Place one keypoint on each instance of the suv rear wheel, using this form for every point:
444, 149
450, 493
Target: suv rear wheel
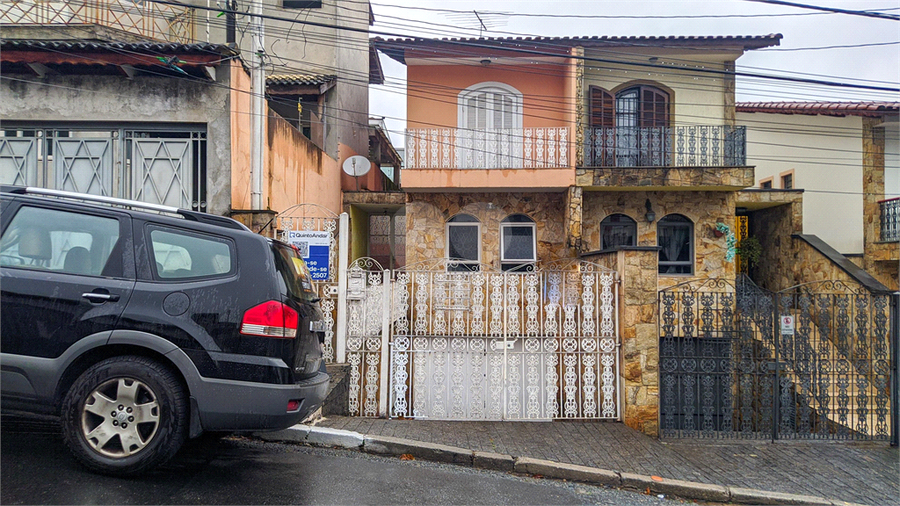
124, 415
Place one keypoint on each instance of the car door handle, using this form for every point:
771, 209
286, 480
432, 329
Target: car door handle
100, 297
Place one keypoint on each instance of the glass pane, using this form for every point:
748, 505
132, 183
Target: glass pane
463, 242
518, 243
180, 255
58, 241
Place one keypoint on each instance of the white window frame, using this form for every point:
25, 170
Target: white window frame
516, 262
448, 225
491, 87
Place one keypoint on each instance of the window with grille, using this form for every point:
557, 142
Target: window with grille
463, 243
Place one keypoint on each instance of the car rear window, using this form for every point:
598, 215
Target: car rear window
294, 271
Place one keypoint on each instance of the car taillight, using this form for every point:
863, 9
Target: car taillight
270, 319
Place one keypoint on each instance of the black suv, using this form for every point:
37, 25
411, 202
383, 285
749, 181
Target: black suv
142, 329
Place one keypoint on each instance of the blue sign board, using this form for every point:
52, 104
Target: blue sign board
314, 248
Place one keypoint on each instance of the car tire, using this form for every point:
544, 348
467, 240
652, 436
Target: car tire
124, 415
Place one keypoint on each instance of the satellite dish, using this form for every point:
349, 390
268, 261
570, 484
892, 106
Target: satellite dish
357, 166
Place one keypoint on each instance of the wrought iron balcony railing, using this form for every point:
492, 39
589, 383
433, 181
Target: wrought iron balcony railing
678, 146
149, 19
512, 148
890, 220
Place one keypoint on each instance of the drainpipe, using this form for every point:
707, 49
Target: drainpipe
258, 107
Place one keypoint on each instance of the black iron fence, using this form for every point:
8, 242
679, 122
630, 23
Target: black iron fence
811, 362
678, 146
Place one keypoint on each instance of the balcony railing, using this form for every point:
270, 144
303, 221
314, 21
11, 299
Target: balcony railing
513, 148
148, 19
890, 220
678, 146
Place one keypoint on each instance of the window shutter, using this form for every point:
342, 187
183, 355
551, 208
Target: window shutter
601, 108
654, 107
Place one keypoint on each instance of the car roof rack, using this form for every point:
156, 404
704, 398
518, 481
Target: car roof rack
188, 214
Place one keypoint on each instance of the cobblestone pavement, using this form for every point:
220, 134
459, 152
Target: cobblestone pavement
860, 472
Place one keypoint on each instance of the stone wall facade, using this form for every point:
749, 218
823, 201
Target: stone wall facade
704, 208
881, 259
427, 215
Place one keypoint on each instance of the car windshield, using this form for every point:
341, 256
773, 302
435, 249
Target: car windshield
294, 271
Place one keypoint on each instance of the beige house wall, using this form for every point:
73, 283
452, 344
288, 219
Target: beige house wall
825, 154
697, 99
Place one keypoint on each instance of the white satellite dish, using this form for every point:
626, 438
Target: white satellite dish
357, 166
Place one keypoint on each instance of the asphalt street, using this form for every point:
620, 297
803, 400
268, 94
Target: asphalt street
37, 469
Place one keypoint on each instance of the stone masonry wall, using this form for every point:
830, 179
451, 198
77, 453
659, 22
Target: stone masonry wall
881, 258
638, 321
703, 208
427, 215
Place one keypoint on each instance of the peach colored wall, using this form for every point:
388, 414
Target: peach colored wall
486, 180
297, 171
240, 138
433, 90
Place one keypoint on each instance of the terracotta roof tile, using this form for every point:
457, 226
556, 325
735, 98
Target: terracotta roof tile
821, 108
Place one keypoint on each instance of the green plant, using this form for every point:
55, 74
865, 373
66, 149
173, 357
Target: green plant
750, 250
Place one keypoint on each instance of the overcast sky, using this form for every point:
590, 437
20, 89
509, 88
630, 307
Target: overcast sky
877, 65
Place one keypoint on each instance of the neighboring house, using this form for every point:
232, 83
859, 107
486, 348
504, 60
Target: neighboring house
155, 105
623, 151
845, 156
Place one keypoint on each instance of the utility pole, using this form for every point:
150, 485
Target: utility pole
257, 106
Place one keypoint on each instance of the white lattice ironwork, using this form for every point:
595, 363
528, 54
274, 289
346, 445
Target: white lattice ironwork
315, 218
506, 148
491, 345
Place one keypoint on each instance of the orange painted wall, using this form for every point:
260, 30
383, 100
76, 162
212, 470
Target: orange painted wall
297, 171
240, 138
432, 92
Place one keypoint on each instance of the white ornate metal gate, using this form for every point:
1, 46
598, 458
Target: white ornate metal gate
484, 344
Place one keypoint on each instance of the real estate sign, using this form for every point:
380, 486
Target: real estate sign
314, 248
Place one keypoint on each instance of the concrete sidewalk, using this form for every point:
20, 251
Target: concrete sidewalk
738, 471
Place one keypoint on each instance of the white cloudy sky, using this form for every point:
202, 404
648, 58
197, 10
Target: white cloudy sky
875, 65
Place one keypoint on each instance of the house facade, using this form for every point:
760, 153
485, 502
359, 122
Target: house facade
620, 153
844, 155
155, 105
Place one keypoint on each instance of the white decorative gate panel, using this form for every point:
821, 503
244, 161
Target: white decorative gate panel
491, 345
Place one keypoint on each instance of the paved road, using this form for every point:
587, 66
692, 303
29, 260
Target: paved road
36, 469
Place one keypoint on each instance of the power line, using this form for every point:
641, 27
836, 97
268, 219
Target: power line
480, 45
870, 14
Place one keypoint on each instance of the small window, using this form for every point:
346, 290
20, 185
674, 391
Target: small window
675, 237
518, 248
62, 241
180, 255
766, 184
617, 230
787, 181
463, 243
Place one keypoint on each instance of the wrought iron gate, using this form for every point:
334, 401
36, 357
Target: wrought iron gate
483, 344
729, 367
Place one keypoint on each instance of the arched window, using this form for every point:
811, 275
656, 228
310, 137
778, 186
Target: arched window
628, 128
490, 106
518, 247
617, 230
675, 237
463, 243
490, 122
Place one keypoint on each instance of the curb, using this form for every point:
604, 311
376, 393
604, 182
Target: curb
385, 445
